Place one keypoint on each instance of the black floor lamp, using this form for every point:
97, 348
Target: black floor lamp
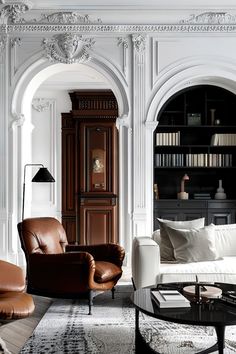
43, 175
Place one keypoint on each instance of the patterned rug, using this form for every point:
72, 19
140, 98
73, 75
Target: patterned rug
67, 328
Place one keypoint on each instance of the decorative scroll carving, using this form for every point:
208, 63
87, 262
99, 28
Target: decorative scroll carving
139, 42
3, 41
14, 9
124, 43
41, 104
211, 18
15, 41
67, 17
67, 48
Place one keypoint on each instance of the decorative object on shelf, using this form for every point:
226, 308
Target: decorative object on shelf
43, 175
213, 111
156, 191
182, 194
194, 118
220, 193
217, 122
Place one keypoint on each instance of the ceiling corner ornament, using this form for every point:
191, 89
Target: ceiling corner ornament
211, 18
14, 9
139, 42
68, 18
68, 48
41, 104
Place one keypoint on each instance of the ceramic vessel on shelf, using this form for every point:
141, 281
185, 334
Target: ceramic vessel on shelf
220, 193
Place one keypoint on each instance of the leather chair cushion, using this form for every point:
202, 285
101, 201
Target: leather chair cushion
15, 305
11, 277
106, 271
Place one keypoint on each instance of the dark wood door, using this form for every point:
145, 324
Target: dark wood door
90, 168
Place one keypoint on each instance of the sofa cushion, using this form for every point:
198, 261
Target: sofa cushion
225, 239
193, 245
222, 270
166, 248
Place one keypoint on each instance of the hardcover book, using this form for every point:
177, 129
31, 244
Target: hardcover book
170, 298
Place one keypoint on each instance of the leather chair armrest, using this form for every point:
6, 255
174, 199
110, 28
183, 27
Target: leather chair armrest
107, 252
62, 273
145, 262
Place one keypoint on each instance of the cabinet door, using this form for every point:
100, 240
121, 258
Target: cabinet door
221, 217
98, 221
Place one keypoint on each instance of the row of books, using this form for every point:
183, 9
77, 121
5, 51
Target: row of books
172, 138
223, 139
193, 160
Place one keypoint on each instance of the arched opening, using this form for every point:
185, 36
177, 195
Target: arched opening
194, 153
33, 94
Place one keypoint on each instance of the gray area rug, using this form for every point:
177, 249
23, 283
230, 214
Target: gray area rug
66, 328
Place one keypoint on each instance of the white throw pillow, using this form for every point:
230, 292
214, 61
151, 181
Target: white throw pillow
166, 248
225, 239
194, 245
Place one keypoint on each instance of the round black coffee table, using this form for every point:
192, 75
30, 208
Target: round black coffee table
217, 314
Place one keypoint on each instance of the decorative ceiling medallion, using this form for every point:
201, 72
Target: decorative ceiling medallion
67, 17
67, 48
14, 9
139, 41
211, 18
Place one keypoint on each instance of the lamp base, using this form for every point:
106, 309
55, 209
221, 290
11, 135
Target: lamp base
182, 195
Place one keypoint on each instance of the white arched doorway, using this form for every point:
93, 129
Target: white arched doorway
181, 75
28, 85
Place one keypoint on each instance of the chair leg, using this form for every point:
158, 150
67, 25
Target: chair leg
90, 301
113, 292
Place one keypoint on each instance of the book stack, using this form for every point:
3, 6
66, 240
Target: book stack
201, 196
168, 138
170, 299
223, 139
229, 297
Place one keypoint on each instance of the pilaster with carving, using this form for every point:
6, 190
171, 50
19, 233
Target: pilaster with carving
123, 43
14, 44
139, 101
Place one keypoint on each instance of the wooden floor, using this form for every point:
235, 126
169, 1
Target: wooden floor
16, 333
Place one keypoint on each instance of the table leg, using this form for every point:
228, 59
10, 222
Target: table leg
220, 332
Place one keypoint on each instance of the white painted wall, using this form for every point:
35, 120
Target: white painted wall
143, 63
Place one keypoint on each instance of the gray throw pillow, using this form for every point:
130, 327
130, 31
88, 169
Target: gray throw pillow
194, 245
166, 248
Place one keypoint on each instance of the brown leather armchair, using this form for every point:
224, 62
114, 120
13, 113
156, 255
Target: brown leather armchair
56, 269
14, 302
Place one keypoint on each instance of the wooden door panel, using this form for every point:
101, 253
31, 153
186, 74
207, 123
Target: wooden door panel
98, 224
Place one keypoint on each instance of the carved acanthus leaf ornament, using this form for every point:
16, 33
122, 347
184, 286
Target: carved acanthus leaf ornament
68, 48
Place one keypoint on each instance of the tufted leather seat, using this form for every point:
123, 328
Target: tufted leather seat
14, 302
57, 269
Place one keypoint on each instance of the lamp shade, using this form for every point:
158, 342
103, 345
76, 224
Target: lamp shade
43, 175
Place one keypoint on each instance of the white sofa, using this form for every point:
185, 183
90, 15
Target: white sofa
148, 270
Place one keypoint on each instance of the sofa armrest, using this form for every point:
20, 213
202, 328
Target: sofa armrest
145, 262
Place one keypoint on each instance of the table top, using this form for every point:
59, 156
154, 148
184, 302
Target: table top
215, 313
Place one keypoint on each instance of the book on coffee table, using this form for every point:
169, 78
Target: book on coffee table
170, 298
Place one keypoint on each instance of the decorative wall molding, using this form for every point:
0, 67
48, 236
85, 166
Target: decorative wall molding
102, 28
123, 42
139, 42
66, 18
3, 41
41, 104
217, 18
67, 48
14, 9
15, 41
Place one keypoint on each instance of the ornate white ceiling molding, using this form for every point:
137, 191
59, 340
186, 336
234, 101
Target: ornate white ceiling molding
67, 48
215, 18
66, 18
128, 29
14, 9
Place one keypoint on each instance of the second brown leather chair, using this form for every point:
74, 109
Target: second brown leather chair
57, 269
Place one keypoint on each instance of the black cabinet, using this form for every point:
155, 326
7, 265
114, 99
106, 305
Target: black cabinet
216, 212
196, 136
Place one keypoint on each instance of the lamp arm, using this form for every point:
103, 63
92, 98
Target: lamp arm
23, 192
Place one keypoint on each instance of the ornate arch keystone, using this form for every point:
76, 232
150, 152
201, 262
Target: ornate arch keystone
67, 48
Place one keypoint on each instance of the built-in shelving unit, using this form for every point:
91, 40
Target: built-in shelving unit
196, 135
